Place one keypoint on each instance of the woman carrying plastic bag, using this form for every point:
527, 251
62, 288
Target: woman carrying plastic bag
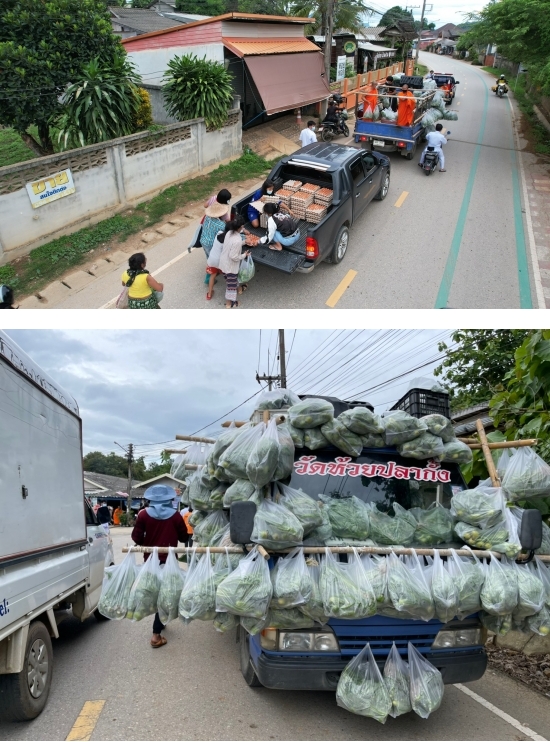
247, 590
117, 586
426, 684
171, 585
144, 596
397, 680
361, 688
198, 597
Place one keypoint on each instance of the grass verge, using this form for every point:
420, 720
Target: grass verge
420, 69
48, 262
13, 149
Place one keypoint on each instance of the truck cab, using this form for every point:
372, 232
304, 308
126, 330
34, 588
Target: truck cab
314, 659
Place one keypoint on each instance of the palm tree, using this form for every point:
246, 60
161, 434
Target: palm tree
349, 14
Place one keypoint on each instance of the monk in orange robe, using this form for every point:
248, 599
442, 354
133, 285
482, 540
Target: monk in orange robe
371, 97
407, 104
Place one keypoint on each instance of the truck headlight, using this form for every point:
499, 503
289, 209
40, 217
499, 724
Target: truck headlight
452, 639
299, 641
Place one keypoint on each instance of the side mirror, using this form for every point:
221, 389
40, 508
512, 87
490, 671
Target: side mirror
530, 534
241, 522
457, 82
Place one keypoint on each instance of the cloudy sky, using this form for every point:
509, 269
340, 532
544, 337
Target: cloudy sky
146, 386
443, 11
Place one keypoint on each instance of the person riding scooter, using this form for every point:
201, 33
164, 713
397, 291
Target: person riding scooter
502, 81
436, 140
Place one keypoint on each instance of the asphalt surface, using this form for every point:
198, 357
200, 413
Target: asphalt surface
192, 689
457, 239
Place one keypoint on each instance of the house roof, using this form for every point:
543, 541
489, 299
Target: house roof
371, 33
403, 29
148, 482
449, 29
367, 46
109, 485
231, 17
142, 20
464, 421
248, 47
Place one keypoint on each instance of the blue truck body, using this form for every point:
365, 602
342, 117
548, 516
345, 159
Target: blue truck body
403, 139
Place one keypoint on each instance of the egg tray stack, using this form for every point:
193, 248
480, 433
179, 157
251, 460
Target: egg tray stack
270, 199
323, 196
284, 195
263, 221
292, 185
299, 203
315, 212
310, 188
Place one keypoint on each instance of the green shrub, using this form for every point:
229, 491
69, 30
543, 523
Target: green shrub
143, 117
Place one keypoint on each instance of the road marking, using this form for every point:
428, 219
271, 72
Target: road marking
502, 714
401, 199
87, 719
462, 96
111, 303
459, 102
539, 291
342, 287
446, 282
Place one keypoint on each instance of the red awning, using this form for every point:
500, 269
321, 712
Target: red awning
288, 81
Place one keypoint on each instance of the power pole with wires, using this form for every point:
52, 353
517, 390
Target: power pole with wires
129, 519
281, 376
421, 25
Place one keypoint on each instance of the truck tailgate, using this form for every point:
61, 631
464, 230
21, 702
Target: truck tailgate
286, 260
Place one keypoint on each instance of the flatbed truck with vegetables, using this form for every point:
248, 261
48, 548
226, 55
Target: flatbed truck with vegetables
356, 178
53, 551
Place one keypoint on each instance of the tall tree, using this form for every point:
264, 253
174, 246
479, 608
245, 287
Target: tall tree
349, 14
43, 47
478, 364
114, 465
397, 13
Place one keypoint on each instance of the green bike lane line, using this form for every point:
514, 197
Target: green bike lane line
442, 299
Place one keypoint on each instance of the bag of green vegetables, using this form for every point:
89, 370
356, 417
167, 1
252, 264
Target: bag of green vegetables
468, 576
349, 517
444, 590
314, 439
313, 608
239, 491
434, 525
386, 530
235, 458
531, 591
198, 597
276, 527
401, 427
285, 463
247, 590
527, 476
425, 446
458, 452
499, 594
362, 421
171, 585
341, 437
264, 456
116, 589
397, 680
426, 684
303, 506
439, 425
291, 581
345, 588
482, 506
145, 591
361, 688
311, 413
408, 588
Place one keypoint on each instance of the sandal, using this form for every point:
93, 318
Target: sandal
160, 643
243, 287
277, 249
442, 171
234, 305
209, 296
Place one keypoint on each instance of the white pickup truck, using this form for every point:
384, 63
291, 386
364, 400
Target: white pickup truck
53, 551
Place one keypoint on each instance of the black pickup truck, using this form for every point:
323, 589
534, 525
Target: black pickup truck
356, 178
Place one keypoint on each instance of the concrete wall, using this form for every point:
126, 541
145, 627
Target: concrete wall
108, 178
160, 115
152, 63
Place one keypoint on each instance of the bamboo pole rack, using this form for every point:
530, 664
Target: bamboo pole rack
474, 444
194, 439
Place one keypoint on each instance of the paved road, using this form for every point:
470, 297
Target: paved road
192, 689
457, 240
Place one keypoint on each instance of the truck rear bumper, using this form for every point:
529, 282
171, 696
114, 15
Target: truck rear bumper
294, 673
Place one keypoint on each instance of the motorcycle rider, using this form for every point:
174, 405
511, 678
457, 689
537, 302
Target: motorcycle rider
501, 81
436, 140
333, 111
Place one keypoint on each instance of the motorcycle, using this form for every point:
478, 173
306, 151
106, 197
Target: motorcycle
501, 90
331, 129
431, 159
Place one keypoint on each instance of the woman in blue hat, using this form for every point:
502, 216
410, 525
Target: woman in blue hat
159, 524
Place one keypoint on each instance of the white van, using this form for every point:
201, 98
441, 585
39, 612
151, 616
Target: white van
53, 552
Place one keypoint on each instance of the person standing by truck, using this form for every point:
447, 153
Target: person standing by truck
104, 516
159, 524
407, 104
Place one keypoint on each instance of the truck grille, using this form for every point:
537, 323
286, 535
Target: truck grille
381, 632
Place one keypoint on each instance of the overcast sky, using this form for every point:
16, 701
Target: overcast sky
443, 11
146, 386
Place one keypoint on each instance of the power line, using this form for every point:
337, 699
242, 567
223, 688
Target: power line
309, 358
298, 377
291, 346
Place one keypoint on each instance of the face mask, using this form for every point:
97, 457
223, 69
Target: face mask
269, 191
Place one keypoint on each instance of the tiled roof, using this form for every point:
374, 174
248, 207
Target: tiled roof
142, 20
369, 34
112, 484
248, 47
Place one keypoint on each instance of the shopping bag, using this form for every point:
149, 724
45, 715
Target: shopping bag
361, 688
426, 684
122, 299
117, 585
246, 270
397, 680
145, 591
171, 585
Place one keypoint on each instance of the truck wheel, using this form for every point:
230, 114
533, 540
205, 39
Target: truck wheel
340, 247
24, 695
250, 677
384, 188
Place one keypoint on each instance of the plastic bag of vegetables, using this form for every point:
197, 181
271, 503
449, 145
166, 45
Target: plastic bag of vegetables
171, 585
314, 439
531, 591
225, 440
434, 525
444, 590
117, 585
275, 527
264, 456
375, 568
288, 618
276, 399
336, 433
313, 608
397, 680
540, 622
303, 506
285, 463
247, 590
345, 589
349, 517
468, 576
291, 581
202, 498
197, 516
198, 597
221, 567
319, 536
502, 537
482, 506
361, 688
207, 530
544, 574
401, 427
527, 476
439, 425
388, 531
311, 413
499, 594
503, 461
296, 434
362, 421
145, 591
240, 490
373, 441
497, 624
254, 625
458, 452
426, 684
235, 458
408, 589
425, 446
225, 622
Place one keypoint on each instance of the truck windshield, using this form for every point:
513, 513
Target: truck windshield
380, 477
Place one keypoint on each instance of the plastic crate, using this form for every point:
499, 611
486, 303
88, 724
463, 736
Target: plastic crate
420, 402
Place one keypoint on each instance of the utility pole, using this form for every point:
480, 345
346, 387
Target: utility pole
269, 379
129, 519
282, 358
420, 32
329, 29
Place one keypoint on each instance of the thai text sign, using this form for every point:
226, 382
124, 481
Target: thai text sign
340, 68
51, 188
343, 466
